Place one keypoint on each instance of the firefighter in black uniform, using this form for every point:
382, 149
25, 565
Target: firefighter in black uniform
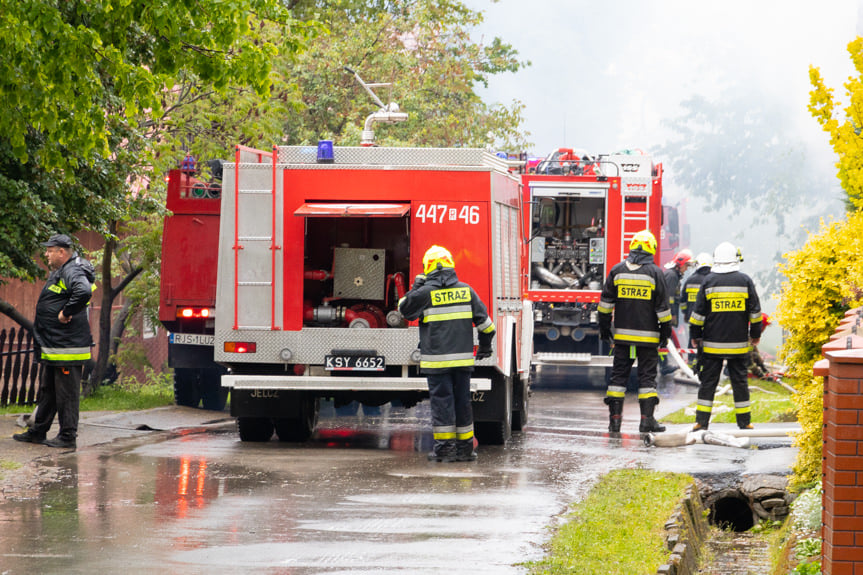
448, 309
725, 323
703, 262
62, 332
634, 297
673, 273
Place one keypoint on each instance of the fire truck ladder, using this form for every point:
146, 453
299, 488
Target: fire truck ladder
247, 287
636, 217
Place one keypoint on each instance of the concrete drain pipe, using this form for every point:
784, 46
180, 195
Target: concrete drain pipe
730, 510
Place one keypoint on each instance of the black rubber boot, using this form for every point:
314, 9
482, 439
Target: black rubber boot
464, 450
444, 450
648, 423
615, 414
29, 437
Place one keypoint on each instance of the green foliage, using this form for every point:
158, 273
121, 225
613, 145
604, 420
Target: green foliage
59, 58
809, 547
422, 47
766, 525
844, 135
823, 281
128, 393
813, 568
618, 527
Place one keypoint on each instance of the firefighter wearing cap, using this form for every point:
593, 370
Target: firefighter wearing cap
635, 303
725, 323
62, 331
448, 310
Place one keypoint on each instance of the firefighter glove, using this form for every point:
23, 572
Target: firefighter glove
664, 333
483, 351
605, 327
419, 281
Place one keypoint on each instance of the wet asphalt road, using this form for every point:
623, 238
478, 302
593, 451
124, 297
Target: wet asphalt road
359, 498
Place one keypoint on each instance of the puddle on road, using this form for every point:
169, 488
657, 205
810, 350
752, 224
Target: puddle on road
360, 497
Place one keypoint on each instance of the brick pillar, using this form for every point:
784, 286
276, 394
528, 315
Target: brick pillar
842, 452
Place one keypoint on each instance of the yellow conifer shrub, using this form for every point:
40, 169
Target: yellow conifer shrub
823, 281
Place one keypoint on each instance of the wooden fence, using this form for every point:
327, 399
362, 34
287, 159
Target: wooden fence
19, 371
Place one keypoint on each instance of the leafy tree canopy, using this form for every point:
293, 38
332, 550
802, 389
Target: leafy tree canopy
59, 58
424, 49
92, 88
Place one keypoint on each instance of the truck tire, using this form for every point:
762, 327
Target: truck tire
255, 428
299, 429
186, 390
493, 417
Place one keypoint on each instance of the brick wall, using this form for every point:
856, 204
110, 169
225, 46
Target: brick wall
842, 452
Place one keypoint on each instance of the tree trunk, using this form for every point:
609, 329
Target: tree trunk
110, 328
103, 350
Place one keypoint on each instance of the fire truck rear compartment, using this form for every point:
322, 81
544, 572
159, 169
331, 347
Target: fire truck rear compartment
356, 269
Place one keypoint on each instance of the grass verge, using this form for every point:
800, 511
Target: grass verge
125, 395
773, 405
619, 527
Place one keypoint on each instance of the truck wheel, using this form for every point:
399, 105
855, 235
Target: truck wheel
213, 395
493, 426
186, 391
300, 428
255, 428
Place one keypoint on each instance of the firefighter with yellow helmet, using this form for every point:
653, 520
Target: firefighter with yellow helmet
725, 324
448, 310
634, 314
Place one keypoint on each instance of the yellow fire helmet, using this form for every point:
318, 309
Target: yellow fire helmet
644, 240
437, 255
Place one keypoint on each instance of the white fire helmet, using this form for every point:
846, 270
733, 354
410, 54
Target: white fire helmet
725, 258
703, 260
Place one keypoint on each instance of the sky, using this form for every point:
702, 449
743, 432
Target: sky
606, 76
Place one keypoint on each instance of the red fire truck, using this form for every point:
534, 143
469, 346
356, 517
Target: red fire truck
190, 242
315, 246
580, 214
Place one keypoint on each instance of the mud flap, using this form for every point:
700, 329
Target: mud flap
492, 410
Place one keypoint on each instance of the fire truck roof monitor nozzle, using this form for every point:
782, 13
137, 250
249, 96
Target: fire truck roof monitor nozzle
387, 114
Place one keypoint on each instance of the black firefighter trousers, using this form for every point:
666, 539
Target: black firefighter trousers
710, 368
451, 411
59, 394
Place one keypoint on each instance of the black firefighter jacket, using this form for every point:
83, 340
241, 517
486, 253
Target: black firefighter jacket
68, 288
726, 314
447, 309
690, 291
634, 293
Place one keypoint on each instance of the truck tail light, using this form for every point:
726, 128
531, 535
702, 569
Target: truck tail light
240, 347
196, 312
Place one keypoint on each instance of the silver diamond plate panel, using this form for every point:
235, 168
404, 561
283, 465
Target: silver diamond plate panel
311, 344
416, 158
359, 273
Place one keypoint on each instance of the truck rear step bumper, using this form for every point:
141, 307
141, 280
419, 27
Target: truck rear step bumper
572, 359
327, 383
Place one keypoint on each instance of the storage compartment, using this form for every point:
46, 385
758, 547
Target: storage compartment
567, 250
355, 270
